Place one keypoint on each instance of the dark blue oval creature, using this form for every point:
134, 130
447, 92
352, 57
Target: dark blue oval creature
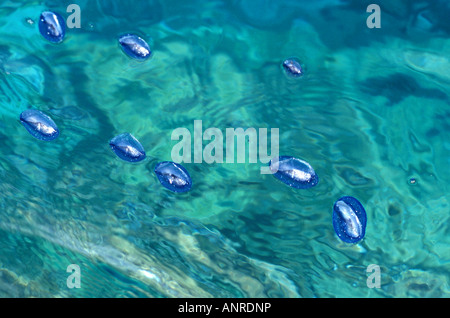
294, 172
293, 68
349, 219
127, 148
39, 125
135, 47
52, 26
173, 176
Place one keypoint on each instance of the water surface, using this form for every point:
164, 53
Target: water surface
371, 112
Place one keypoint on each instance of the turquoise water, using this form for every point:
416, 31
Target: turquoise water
371, 112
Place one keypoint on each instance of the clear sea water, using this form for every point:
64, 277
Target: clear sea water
371, 112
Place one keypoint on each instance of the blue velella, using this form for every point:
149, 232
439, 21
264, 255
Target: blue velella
349, 219
127, 148
52, 26
293, 68
173, 176
135, 47
39, 125
294, 172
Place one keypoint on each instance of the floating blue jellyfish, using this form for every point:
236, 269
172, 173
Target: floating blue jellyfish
293, 68
127, 148
135, 47
39, 125
52, 26
294, 172
349, 219
173, 176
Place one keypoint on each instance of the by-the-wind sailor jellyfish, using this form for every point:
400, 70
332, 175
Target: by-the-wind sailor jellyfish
135, 47
52, 26
127, 148
293, 68
349, 219
294, 172
173, 176
39, 125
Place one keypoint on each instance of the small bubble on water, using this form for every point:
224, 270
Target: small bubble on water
39, 125
293, 67
173, 176
127, 148
294, 172
52, 26
349, 219
135, 47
